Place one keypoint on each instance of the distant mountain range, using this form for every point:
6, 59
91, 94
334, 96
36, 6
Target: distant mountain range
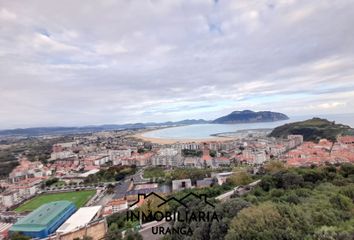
248, 116
245, 116
94, 128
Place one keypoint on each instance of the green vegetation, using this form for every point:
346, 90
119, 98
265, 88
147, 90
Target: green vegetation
61, 184
315, 203
51, 181
215, 230
143, 150
39, 150
117, 223
274, 167
210, 192
8, 160
115, 173
163, 175
34, 149
313, 129
154, 172
240, 178
212, 153
79, 198
192, 173
298, 203
191, 153
247, 116
301, 203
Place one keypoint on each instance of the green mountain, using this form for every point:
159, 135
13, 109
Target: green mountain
313, 129
247, 116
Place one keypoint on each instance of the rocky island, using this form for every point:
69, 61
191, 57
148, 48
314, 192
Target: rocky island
248, 116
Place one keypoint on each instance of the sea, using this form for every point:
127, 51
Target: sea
205, 131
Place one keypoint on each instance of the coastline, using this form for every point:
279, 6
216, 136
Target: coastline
185, 140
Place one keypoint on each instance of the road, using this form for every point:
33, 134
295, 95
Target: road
138, 177
123, 186
121, 189
239, 190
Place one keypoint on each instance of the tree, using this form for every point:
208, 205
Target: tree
218, 230
227, 210
50, 182
347, 169
87, 238
341, 202
274, 167
240, 178
257, 222
212, 153
348, 191
151, 205
132, 235
110, 189
114, 235
288, 180
313, 176
270, 221
267, 183
141, 150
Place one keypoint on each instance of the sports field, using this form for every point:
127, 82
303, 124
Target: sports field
78, 198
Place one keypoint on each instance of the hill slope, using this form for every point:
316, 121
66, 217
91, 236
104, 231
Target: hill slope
248, 116
313, 129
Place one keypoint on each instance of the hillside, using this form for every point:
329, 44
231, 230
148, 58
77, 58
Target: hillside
313, 129
248, 116
289, 203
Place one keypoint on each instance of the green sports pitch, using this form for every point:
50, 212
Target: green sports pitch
79, 198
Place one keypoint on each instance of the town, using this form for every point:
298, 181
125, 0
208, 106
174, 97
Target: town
103, 173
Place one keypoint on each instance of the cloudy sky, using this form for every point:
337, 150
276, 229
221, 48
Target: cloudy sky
72, 62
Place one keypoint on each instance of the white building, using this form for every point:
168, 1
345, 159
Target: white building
61, 155
86, 174
10, 198
167, 157
80, 218
114, 206
116, 155
222, 177
66, 144
294, 141
190, 146
178, 185
259, 157
254, 156
28, 191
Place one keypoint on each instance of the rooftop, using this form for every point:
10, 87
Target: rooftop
82, 217
4, 226
86, 174
41, 217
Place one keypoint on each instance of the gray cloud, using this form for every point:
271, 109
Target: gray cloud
77, 62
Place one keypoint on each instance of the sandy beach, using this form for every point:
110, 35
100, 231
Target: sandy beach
171, 141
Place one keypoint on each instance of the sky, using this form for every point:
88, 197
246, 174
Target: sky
78, 62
